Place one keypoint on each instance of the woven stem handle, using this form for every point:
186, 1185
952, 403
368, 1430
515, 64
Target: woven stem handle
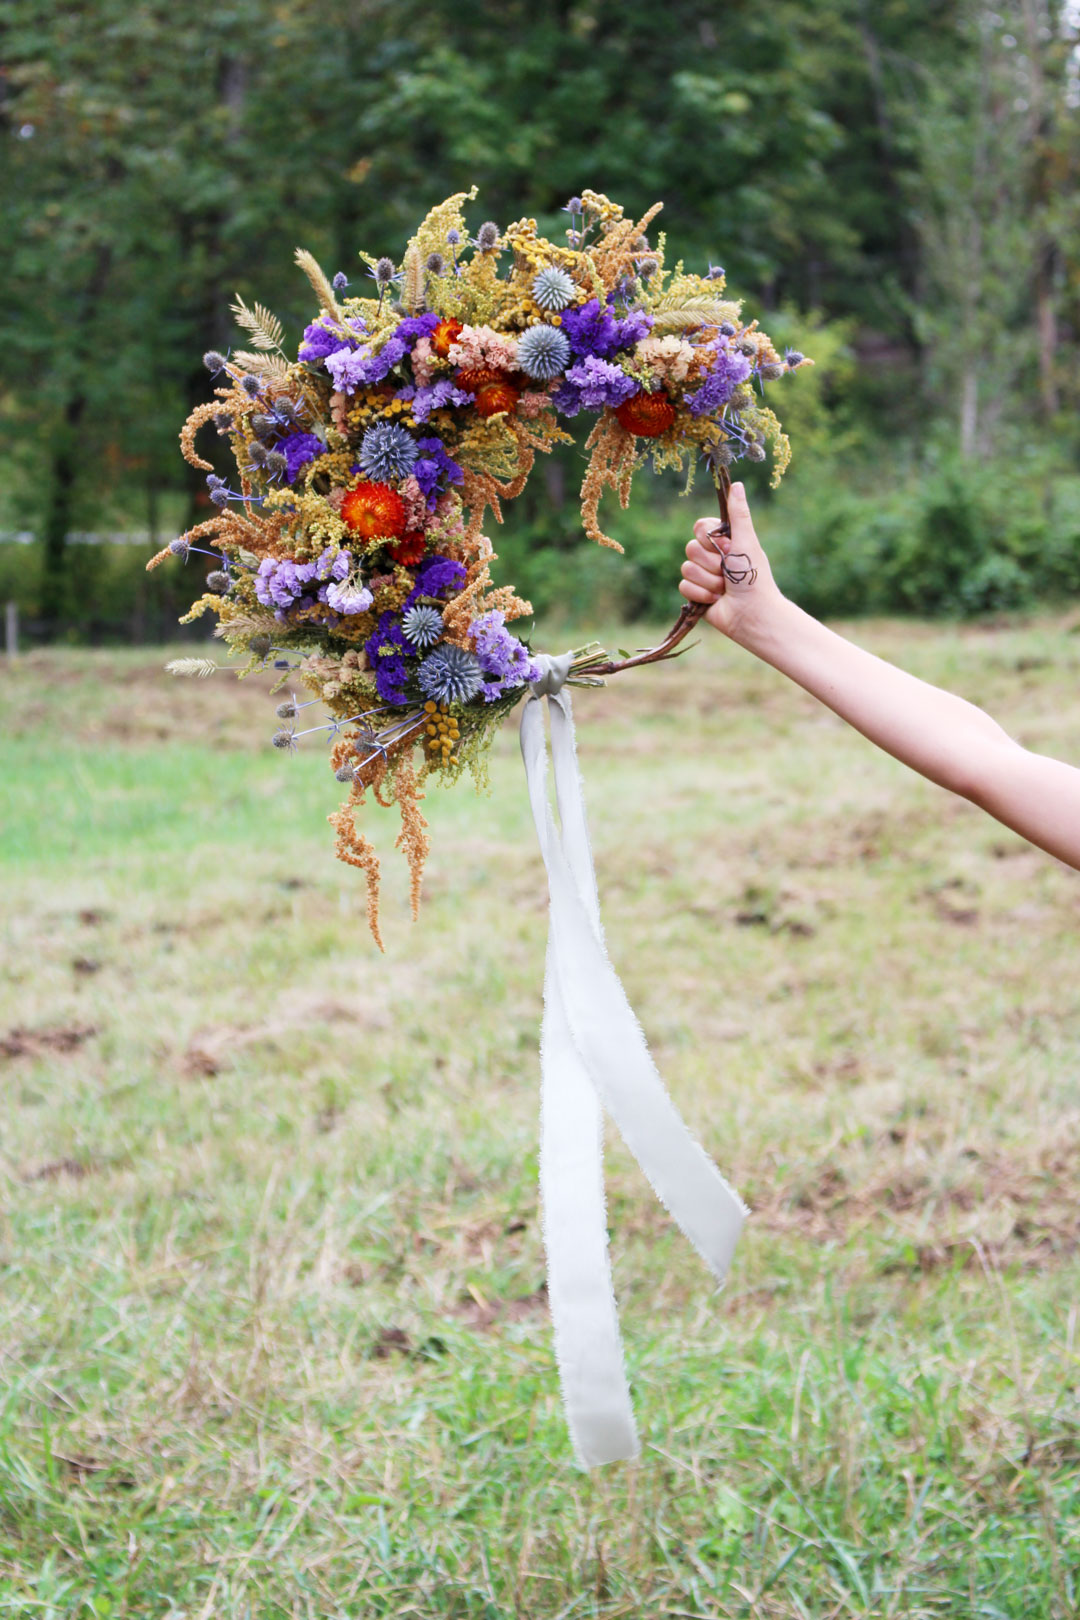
689, 616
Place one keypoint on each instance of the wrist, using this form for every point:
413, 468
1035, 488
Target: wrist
767, 625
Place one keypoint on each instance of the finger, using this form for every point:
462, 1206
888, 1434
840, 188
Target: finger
705, 557
698, 593
703, 577
707, 531
743, 537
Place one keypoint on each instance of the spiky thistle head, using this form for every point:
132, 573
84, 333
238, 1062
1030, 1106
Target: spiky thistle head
384, 272
251, 385
543, 352
181, 547
553, 289
435, 264
423, 626
340, 281
218, 581
284, 737
388, 453
260, 646
345, 773
450, 674
487, 237
214, 361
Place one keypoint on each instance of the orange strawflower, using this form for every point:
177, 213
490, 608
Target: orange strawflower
444, 334
409, 549
494, 397
646, 415
374, 512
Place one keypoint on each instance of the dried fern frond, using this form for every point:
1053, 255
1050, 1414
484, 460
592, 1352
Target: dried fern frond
690, 312
321, 284
271, 367
265, 328
200, 668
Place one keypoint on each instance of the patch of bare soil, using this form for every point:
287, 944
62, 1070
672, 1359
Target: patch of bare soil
1002, 1207
32, 1043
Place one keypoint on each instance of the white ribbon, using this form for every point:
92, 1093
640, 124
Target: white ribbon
593, 1053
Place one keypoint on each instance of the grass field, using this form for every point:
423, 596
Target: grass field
272, 1334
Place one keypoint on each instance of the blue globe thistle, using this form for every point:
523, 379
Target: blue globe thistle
251, 385
423, 626
214, 361
450, 674
543, 351
388, 453
553, 289
340, 281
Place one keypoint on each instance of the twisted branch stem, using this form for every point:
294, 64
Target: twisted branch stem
687, 619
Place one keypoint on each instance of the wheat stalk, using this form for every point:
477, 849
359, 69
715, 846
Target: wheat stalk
318, 278
271, 366
265, 328
198, 667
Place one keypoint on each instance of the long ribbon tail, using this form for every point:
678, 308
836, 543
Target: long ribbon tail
593, 1042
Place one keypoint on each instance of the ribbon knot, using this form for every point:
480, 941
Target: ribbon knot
593, 1056
554, 671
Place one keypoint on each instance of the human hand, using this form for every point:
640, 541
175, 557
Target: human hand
730, 572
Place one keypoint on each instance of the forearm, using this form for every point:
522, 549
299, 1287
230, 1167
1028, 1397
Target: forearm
942, 736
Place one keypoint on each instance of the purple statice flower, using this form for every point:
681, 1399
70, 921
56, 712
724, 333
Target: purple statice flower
437, 576
595, 330
347, 598
413, 327
298, 449
726, 373
435, 471
283, 584
592, 384
353, 369
321, 340
436, 396
503, 658
386, 648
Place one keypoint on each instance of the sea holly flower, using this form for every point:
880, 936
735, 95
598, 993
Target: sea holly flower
388, 453
543, 352
553, 289
450, 674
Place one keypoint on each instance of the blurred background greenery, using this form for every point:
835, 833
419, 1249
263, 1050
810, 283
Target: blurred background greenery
891, 187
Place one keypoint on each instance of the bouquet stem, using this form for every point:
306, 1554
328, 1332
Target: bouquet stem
687, 619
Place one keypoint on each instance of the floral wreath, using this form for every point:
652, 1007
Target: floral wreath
348, 548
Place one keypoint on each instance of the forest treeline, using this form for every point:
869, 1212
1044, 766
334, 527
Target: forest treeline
890, 185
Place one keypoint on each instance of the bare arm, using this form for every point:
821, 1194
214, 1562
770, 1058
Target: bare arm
945, 738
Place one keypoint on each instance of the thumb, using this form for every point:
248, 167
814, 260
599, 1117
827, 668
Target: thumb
742, 524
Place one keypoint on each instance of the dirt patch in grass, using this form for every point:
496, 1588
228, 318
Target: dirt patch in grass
33, 1043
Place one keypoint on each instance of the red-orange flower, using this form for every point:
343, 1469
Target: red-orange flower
409, 549
646, 415
374, 511
494, 397
479, 377
445, 333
